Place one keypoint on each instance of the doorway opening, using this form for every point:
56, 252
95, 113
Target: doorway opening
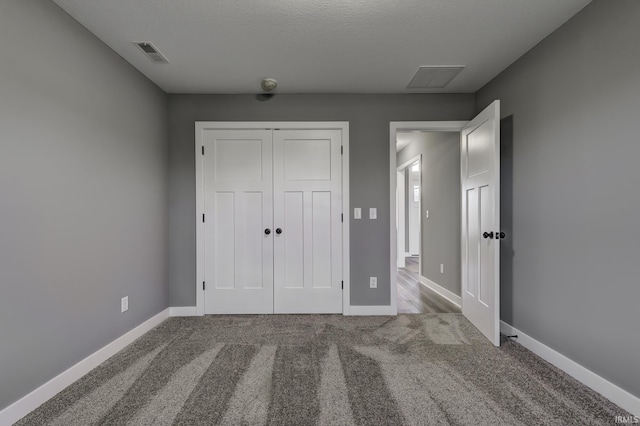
428, 229
479, 215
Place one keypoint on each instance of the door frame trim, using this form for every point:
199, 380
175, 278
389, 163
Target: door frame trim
200, 126
401, 238
394, 128
401, 252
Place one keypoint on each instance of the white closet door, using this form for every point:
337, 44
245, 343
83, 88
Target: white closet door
307, 211
238, 210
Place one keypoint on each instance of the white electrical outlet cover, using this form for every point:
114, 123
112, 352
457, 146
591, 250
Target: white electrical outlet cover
373, 213
357, 213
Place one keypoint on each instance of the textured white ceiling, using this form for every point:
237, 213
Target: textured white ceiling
320, 46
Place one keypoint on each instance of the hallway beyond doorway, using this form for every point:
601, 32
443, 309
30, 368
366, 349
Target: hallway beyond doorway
416, 298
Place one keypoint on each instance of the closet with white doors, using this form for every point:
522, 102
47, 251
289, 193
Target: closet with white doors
269, 225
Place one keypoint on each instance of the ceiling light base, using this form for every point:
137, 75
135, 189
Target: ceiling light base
269, 84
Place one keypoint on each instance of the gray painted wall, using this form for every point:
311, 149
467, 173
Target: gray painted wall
83, 158
573, 104
369, 117
440, 234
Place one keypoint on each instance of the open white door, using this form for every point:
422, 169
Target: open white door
480, 175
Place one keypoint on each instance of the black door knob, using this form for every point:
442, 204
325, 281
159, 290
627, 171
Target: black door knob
267, 231
488, 235
278, 231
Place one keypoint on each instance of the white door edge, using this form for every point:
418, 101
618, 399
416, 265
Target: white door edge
200, 126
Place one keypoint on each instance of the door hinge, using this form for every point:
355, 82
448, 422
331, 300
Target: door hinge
202, 149
202, 217
341, 150
343, 285
204, 286
341, 217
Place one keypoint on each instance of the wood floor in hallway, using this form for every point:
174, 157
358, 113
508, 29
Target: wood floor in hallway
416, 298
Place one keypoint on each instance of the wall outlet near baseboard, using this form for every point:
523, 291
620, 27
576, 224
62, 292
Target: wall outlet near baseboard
373, 282
124, 304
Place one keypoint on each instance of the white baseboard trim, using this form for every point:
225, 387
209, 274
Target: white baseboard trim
614, 393
449, 295
33, 400
371, 310
183, 311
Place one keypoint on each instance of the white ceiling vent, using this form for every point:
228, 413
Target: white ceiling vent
434, 77
152, 52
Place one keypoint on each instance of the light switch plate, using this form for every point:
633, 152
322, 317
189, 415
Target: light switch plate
373, 213
427, 214
357, 213
373, 282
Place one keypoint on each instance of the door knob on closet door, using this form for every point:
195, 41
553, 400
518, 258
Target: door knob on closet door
488, 235
267, 231
278, 231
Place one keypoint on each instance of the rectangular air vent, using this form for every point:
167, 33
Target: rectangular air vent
434, 77
151, 52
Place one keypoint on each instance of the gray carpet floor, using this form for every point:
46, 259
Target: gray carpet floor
428, 369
